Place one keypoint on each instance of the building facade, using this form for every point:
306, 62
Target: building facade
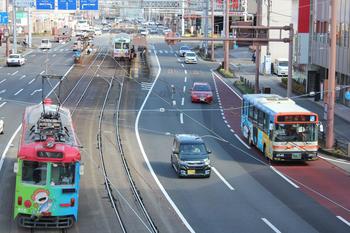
319, 47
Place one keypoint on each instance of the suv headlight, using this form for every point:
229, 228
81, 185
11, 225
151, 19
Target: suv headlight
207, 162
182, 163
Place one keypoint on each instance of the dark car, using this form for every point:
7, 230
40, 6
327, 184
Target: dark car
190, 156
201, 92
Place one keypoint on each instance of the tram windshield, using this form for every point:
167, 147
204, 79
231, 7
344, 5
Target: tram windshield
62, 173
34, 172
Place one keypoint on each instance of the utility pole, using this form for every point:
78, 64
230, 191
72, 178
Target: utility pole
29, 18
331, 77
183, 18
14, 47
268, 24
212, 30
290, 61
258, 47
7, 27
227, 35
206, 25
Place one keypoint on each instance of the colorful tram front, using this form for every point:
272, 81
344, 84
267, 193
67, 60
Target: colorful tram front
48, 169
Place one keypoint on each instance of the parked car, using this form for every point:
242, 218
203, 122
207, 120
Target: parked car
190, 156
280, 66
45, 44
167, 30
144, 32
201, 92
190, 57
98, 32
15, 60
183, 50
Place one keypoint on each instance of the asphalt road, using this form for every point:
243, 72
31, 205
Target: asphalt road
243, 194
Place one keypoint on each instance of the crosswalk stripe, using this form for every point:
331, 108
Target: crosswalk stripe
160, 51
165, 51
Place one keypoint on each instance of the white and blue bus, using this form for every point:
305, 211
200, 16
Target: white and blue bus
122, 47
279, 127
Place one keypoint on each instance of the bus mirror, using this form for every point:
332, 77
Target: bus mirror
81, 169
320, 127
15, 167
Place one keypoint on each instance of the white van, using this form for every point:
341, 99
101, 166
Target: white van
45, 44
280, 66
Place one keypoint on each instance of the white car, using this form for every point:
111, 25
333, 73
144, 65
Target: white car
15, 60
190, 57
183, 50
45, 44
1, 127
144, 32
98, 32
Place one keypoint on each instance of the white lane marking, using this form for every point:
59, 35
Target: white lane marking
27, 53
183, 101
270, 225
161, 187
284, 177
335, 160
223, 117
248, 147
185, 79
19, 91
222, 178
165, 51
182, 65
33, 55
1, 67
35, 91
3, 80
160, 51
343, 220
42, 72
54, 55
2, 104
3, 91
31, 81
185, 71
14, 73
222, 113
22, 77
181, 118
175, 54
232, 130
229, 126
174, 102
222, 110
179, 60
226, 122
184, 89
226, 84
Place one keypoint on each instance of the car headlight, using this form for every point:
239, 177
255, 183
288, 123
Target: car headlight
207, 162
182, 163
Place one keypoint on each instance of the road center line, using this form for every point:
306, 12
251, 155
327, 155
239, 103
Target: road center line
185, 79
18, 91
222, 178
42, 72
284, 177
343, 220
245, 144
2, 104
182, 65
182, 101
181, 118
184, 89
3, 80
185, 71
270, 225
31, 81
23, 76
14, 73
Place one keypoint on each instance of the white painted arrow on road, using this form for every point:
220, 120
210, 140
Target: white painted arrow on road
35, 91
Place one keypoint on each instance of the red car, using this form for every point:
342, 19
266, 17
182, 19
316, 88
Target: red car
201, 92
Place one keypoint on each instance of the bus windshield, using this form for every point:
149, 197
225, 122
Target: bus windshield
34, 172
117, 45
295, 132
62, 173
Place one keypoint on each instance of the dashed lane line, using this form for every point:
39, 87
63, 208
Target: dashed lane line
19, 91
184, 89
181, 118
182, 101
42, 72
31, 81
3, 80
343, 220
182, 65
248, 147
22, 77
267, 222
222, 178
2, 104
14, 73
284, 177
185, 79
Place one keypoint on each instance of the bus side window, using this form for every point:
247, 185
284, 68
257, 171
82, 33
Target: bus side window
251, 111
255, 116
261, 115
266, 123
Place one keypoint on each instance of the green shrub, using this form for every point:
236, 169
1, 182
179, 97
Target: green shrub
297, 88
226, 74
243, 88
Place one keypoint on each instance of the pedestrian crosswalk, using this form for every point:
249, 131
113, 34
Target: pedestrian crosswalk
146, 86
161, 51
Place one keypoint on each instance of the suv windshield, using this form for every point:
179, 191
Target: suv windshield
283, 63
14, 56
190, 54
193, 151
184, 48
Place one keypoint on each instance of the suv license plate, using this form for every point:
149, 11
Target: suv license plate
296, 156
191, 172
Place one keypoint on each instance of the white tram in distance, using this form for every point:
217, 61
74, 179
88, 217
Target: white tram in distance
123, 47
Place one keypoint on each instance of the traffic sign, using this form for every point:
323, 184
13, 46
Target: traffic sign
45, 4
4, 18
88, 4
67, 4
24, 3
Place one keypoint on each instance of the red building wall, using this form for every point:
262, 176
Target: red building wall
304, 16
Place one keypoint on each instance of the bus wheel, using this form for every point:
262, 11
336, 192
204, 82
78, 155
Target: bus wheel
265, 154
250, 140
